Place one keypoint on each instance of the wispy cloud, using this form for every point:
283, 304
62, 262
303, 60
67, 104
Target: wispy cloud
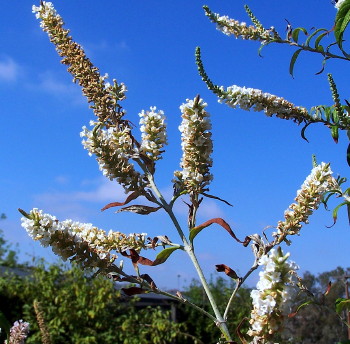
104, 45
9, 70
76, 204
49, 83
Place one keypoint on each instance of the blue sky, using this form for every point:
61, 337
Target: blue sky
259, 162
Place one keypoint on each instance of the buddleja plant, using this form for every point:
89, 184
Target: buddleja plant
131, 163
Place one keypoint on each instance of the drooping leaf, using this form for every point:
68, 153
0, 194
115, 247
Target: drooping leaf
319, 38
239, 333
164, 255
221, 222
130, 198
307, 42
335, 212
341, 304
139, 209
302, 133
309, 302
217, 198
149, 280
348, 155
323, 65
228, 271
136, 258
295, 33
335, 133
293, 60
265, 44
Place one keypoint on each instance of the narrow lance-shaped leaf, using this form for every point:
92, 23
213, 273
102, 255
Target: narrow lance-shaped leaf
217, 198
266, 44
139, 209
335, 133
239, 333
293, 60
302, 133
295, 33
164, 255
130, 198
319, 38
309, 302
335, 211
221, 222
307, 42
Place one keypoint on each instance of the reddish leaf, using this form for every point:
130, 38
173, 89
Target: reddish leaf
228, 271
328, 288
246, 241
137, 259
133, 291
239, 333
195, 230
130, 198
149, 280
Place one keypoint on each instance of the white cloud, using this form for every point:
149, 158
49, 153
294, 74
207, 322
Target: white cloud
104, 45
73, 204
49, 82
9, 70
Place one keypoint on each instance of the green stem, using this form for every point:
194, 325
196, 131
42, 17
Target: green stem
238, 285
220, 322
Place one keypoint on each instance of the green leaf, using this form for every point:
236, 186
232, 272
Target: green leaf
293, 60
295, 33
309, 302
341, 304
307, 42
302, 133
265, 44
341, 21
335, 133
319, 38
348, 155
164, 255
336, 209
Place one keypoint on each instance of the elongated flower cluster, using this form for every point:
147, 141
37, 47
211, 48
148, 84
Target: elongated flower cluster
103, 96
82, 242
272, 298
18, 332
113, 149
153, 129
307, 200
197, 147
250, 98
232, 27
